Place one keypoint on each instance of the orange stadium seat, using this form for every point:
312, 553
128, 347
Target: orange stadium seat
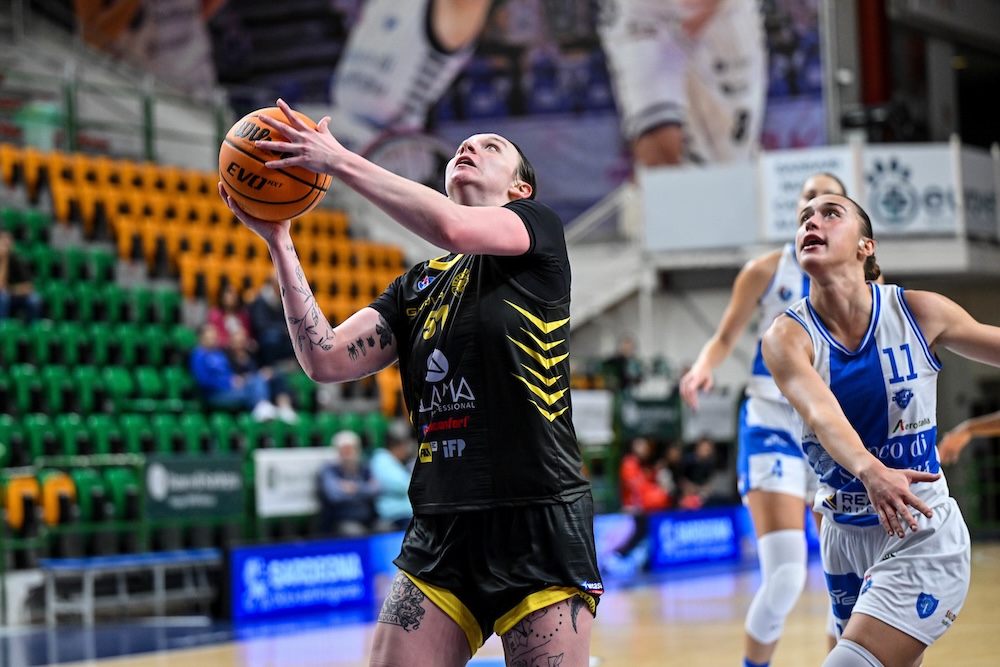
11, 164
56, 484
16, 496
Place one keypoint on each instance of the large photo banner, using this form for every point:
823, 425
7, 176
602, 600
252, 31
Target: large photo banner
589, 90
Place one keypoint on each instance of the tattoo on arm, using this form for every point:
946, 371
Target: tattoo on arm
311, 329
403, 605
384, 333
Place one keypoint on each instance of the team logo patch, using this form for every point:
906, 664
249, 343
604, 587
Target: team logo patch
866, 585
902, 397
926, 604
424, 282
784, 293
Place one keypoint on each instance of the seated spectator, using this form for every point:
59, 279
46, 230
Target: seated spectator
229, 315
244, 364
17, 293
268, 326
698, 472
221, 386
643, 492
347, 491
391, 467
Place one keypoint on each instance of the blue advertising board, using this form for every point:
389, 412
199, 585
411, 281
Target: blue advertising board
272, 581
680, 538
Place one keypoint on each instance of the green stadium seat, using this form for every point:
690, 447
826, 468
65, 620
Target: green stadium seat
14, 450
15, 343
79, 302
225, 432
123, 343
47, 264
168, 435
103, 265
39, 223
27, 388
305, 431
111, 304
150, 390
180, 387
125, 491
65, 342
94, 347
304, 390
167, 306
42, 436
119, 386
10, 220
351, 421
90, 393
91, 496
76, 265
325, 425
58, 389
74, 437
151, 349
254, 435
198, 435
54, 296
105, 434
374, 426
182, 341
137, 433
6, 395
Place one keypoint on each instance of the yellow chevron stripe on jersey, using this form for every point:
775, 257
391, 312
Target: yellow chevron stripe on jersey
545, 347
546, 362
441, 264
549, 381
545, 327
541, 393
551, 416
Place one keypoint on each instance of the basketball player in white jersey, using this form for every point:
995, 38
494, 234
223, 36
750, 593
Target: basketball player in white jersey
690, 77
858, 362
399, 59
775, 481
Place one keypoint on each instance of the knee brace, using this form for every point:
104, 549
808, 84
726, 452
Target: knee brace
849, 654
782, 556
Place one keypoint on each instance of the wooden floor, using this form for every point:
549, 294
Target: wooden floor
693, 622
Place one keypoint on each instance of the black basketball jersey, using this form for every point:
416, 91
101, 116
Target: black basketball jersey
483, 345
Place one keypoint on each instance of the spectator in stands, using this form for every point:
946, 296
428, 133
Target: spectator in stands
347, 490
243, 364
221, 386
698, 473
230, 314
268, 326
643, 492
17, 293
624, 368
391, 467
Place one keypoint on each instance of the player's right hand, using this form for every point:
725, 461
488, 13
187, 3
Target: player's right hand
265, 229
693, 382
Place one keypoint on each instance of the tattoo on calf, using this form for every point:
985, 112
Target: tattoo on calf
403, 605
312, 328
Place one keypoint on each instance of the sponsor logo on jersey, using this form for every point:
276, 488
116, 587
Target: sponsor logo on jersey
448, 424
903, 397
926, 604
452, 448
949, 618
909, 426
437, 367
865, 586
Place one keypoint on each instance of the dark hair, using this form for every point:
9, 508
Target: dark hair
525, 172
872, 270
832, 177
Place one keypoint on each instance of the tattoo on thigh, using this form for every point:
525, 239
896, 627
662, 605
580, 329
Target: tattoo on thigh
527, 642
403, 605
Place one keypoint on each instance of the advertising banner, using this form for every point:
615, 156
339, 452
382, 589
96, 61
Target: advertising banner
285, 480
782, 174
594, 416
187, 487
683, 538
278, 580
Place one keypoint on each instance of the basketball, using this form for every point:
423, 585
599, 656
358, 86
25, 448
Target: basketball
265, 193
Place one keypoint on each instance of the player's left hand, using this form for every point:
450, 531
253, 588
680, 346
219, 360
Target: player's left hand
891, 497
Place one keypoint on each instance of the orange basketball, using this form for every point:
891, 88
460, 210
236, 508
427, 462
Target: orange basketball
265, 193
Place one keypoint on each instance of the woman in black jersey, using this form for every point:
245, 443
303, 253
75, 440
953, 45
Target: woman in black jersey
502, 536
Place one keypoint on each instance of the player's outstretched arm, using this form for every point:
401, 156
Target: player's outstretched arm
360, 346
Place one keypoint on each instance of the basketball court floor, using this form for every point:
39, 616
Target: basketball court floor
689, 619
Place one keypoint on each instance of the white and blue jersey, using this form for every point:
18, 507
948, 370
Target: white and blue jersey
770, 452
887, 388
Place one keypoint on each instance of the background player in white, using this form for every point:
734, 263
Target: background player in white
399, 59
690, 77
775, 480
857, 361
